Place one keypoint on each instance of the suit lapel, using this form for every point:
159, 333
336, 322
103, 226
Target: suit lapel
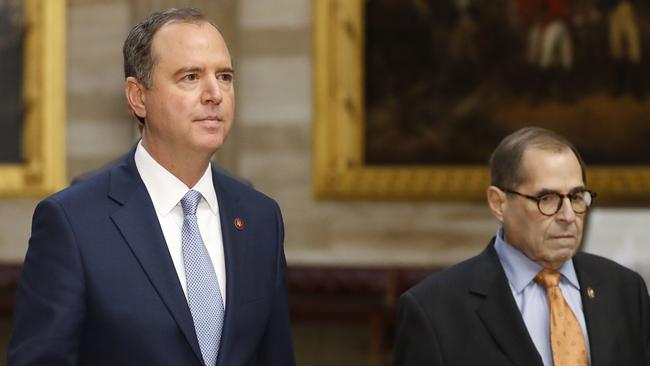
137, 222
499, 312
597, 315
234, 253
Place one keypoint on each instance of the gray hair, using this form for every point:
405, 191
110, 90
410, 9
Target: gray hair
505, 161
138, 58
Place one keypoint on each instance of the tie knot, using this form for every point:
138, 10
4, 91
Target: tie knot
548, 278
190, 202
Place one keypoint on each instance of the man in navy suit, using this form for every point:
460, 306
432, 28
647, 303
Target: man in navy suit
495, 308
106, 279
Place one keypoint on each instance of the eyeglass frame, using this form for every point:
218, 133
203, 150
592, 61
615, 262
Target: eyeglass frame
538, 199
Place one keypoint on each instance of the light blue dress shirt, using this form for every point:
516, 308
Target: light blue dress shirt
531, 297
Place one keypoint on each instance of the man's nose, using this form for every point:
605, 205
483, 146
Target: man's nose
212, 92
566, 212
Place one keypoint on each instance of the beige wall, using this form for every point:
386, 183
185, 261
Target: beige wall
271, 144
276, 154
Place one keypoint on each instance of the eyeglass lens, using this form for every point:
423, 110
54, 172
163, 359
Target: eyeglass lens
549, 204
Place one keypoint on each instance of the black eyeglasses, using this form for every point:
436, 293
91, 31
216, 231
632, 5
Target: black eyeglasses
550, 203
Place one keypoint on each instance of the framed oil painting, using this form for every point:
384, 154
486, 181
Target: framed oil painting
32, 107
411, 96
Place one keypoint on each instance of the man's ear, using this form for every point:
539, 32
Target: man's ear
497, 201
135, 96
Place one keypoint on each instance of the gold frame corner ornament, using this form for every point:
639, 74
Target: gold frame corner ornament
338, 132
43, 170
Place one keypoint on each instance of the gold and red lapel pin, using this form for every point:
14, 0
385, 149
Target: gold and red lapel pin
239, 223
591, 293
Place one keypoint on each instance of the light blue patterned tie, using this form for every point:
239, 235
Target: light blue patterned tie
203, 294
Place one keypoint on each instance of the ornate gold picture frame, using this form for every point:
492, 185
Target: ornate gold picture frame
43, 168
340, 171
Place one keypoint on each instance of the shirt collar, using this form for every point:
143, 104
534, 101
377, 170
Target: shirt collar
165, 189
521, 270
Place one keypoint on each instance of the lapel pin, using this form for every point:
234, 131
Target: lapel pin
591, 293
239, 223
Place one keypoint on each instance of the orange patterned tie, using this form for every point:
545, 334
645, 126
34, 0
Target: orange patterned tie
567, 340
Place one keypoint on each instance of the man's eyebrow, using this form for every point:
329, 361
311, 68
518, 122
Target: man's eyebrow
226, 69
188, 70
573, 190
545, 191
578, 189
198, 69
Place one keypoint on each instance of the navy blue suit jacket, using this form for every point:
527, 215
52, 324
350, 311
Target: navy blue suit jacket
98, 285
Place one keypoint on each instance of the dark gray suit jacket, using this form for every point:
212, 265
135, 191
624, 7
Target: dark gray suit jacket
466, 315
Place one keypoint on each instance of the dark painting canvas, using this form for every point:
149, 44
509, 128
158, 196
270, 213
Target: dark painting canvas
445, 80
11, 105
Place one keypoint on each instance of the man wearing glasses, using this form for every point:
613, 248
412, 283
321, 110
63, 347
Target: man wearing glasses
530, 298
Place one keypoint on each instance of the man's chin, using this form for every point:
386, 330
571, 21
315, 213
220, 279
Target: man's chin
210, 142
563, 254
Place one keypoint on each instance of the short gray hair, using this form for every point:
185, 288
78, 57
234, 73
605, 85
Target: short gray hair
505, 162
138, 58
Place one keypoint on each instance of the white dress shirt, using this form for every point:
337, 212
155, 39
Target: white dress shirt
531, 297
166, 192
